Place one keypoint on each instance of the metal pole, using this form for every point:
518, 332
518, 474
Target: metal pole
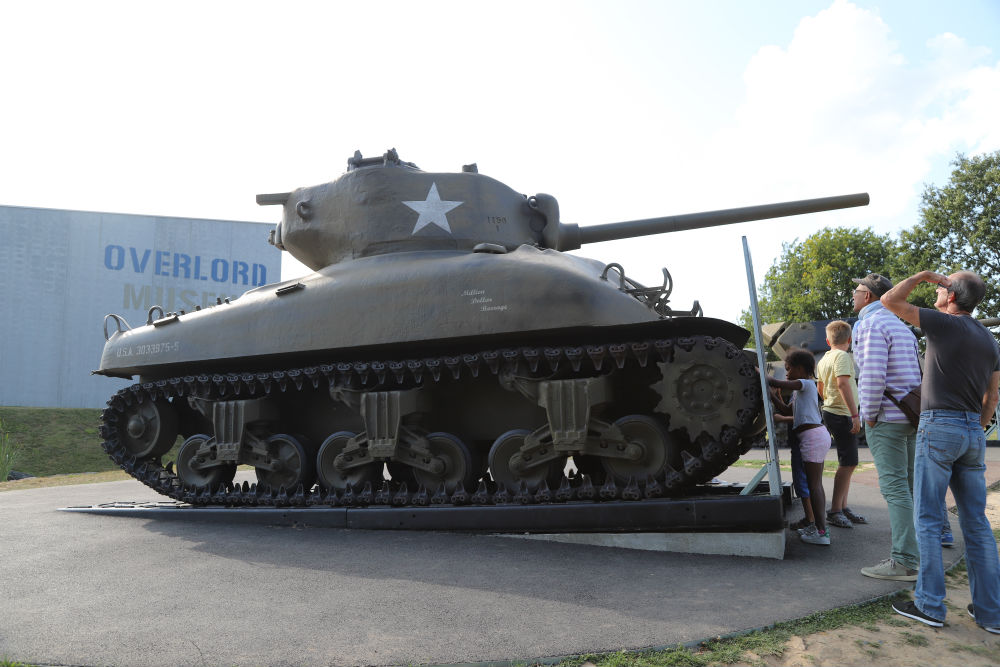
771, 467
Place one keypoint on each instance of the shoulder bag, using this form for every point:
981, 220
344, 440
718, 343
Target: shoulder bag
909, 406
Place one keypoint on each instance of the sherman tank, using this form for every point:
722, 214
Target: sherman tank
445, 349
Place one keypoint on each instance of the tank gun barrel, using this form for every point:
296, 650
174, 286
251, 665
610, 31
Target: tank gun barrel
570, 236
677, 223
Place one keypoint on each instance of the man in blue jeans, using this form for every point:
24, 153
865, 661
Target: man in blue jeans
958, 397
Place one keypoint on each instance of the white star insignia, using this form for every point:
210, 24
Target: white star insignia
432, 210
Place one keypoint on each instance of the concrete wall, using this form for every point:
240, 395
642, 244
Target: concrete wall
62, 271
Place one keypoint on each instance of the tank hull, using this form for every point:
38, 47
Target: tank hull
427, 301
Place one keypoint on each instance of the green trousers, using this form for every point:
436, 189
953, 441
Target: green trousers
893, 445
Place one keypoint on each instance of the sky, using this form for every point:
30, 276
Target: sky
622, 110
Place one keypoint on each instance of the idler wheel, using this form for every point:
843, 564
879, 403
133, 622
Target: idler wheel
503, 472
651, 438
293, 465
459, 467
195, 467
150, 429
332, 478
709, 385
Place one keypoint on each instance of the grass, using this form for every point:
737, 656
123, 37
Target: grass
57, 441
65, 480
10, 451
985, 651
915, 640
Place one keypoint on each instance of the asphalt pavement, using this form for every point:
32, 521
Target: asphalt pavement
98, 590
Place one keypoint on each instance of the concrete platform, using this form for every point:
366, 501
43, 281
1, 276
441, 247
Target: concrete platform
769, 544
98, 590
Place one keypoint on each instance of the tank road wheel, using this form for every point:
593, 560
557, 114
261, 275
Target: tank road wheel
330, 477
656, 445
293, 464
504, 448
150, 429
459, 466
709, 385
193, 454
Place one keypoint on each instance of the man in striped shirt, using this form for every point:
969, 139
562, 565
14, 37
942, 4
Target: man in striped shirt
887, 357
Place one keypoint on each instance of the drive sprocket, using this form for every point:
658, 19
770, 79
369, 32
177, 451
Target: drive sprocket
710, 385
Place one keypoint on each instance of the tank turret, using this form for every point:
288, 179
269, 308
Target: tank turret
443, 343
386, 205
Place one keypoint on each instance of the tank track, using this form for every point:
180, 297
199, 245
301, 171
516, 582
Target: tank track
707, 456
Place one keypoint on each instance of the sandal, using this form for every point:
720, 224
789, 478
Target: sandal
838, 519
854, 518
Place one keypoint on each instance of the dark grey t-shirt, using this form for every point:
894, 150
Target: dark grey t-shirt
961, 356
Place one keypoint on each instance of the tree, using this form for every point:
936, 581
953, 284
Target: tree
960, 228
812, 279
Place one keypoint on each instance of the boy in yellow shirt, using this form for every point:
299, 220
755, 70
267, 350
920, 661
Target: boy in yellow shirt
839, 391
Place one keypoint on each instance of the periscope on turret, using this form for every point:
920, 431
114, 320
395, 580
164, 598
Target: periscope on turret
445, 342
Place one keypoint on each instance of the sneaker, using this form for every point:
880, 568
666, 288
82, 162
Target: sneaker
852, 517
890, 569
909, 610
811, 535
838, 519
988, 628
947, 539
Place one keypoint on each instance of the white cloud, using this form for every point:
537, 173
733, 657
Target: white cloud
842, 101
837, 109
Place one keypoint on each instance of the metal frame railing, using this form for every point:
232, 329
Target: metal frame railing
771, 469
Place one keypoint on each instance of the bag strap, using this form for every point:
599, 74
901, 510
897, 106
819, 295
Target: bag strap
893, 399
